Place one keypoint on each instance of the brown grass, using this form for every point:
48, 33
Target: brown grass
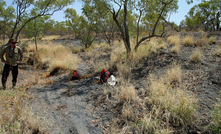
217, 51
55, 57
174, 74
188, 40
196, 56
15, 117
212, 40
127, 93
216, 117
162, 105
174, 39
176, 48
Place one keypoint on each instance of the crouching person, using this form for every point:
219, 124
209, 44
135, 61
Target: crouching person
11, 55
75, 75
104, 75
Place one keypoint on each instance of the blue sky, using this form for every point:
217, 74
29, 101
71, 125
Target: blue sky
177, 17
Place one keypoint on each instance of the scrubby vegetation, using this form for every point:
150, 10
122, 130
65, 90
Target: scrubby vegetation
163, 76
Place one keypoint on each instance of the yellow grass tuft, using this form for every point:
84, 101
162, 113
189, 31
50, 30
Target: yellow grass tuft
217, 51
174, 39
15, 117
188, 40
127, 94
196, 56
55, 56
176, 102
176, 48
212, 40
124, 71
174, 74
216, 118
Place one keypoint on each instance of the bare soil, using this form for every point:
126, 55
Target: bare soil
80, 106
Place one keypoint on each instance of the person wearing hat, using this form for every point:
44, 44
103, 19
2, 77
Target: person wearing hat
11, 55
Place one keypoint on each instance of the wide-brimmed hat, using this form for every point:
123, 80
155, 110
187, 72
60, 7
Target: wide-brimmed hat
12, 40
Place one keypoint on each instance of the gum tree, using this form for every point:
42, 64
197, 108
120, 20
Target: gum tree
28, 10
146, 8
6, 17
205, 14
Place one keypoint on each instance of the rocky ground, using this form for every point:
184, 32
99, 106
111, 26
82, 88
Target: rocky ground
79, 106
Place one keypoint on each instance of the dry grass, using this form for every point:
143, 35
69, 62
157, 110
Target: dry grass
176, 103
216, 118
201, 41
124, 71
217, 51
212, 40
55, 57
176, 48
152, 46
174, 74
15, 117
127, 94
162, 105
174, 39
196, 56
188, 40
51, 37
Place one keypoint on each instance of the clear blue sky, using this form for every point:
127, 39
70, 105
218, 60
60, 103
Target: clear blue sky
177, 18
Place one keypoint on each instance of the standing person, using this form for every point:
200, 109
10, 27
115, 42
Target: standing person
11, 55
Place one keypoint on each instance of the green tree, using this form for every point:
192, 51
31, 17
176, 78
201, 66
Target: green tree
205, 14
6, 18
72, 21
28, 10
60, 28
35, 28
157, 9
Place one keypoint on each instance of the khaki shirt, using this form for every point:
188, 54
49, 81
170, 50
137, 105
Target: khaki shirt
11, 55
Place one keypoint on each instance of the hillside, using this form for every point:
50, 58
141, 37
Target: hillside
166, 90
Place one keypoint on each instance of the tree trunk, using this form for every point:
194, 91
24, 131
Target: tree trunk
217, 21
127, 37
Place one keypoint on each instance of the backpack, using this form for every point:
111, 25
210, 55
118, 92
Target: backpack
104, 75
75, 75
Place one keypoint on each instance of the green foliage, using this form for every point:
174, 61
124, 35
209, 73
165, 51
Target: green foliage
125, 16
6, 17
29, 10
216, 128
36, 27
203, 15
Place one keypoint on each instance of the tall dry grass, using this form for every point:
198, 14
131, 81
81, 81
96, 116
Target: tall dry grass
217, 51
188, 40
162, 106
196, 56
212, 40
169, 103
55, 56
119, 54
174, 39
176, 48
15, 116
216, 118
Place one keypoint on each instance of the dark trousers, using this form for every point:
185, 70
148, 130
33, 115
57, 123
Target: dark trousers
6, 72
